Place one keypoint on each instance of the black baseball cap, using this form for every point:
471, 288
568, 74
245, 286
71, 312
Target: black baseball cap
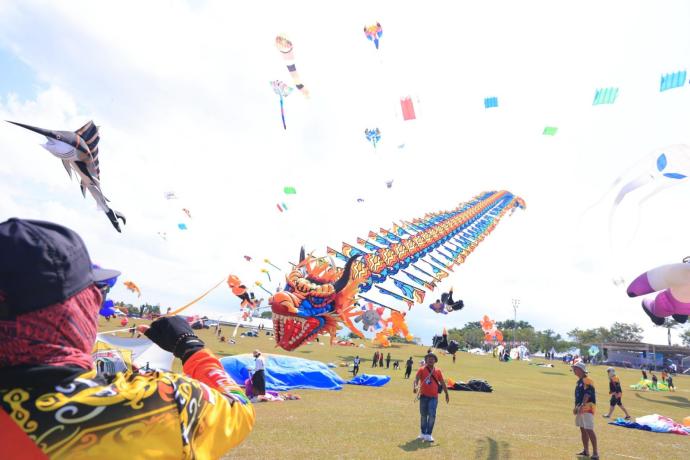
41, 264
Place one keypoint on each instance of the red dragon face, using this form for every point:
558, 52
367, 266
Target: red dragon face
293, 325
310, 303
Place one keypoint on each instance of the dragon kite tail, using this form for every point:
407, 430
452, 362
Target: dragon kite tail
470, 222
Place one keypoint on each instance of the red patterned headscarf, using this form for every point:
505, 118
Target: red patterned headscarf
61, 334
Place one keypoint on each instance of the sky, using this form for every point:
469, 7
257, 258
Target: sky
181, 92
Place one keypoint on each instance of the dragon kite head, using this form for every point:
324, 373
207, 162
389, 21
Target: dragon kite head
318, 296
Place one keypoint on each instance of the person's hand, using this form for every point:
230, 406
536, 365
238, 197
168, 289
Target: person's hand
414, 389
173, 334
447, 398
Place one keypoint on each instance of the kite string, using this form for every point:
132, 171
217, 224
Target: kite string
174, 312
184, 307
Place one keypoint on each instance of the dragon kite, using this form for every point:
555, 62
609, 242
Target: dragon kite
319, 296
78, 151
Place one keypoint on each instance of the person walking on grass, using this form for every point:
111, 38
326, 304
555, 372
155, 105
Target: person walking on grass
616, 393
388, 360
355, 366
428, 383
408, 367
375, 362
585, 405
381, 359
259, 374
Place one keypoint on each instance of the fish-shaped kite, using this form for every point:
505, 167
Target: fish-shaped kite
79, 153
285, 47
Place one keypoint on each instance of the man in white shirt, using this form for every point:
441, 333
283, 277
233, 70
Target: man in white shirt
259, 378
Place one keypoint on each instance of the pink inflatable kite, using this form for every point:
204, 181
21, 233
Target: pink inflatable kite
674, 299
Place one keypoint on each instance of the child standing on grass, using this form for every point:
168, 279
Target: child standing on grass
669, 383
616, 393
585, 405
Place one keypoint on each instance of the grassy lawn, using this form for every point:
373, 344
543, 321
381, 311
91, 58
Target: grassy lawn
527, 416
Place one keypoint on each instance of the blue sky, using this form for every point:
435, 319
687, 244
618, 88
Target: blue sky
184, 104
17, 77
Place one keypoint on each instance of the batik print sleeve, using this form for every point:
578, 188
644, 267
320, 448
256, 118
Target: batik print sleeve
225, 417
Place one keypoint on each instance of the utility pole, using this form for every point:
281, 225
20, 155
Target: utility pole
516, 303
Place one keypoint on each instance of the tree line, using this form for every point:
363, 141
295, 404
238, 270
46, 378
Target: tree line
142, 310
535, 340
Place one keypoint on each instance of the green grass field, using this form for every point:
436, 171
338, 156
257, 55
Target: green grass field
529, 414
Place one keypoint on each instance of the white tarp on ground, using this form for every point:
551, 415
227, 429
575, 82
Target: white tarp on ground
476, 351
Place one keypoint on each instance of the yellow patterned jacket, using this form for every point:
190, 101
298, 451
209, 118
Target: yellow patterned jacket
162, 415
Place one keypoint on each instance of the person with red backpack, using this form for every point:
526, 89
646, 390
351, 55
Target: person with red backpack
427, 384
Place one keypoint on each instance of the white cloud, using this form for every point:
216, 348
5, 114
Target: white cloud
181, 92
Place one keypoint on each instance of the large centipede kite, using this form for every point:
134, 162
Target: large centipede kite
319, 297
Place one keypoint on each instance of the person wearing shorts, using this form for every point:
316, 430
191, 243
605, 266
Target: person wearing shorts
616, 393
669, 382
585, 406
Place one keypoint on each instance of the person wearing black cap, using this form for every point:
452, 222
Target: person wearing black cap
49, 389
428, 383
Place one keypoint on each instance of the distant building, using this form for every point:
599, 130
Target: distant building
637, 354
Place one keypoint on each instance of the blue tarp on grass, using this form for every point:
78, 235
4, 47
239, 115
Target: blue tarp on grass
370, 380
285, 373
